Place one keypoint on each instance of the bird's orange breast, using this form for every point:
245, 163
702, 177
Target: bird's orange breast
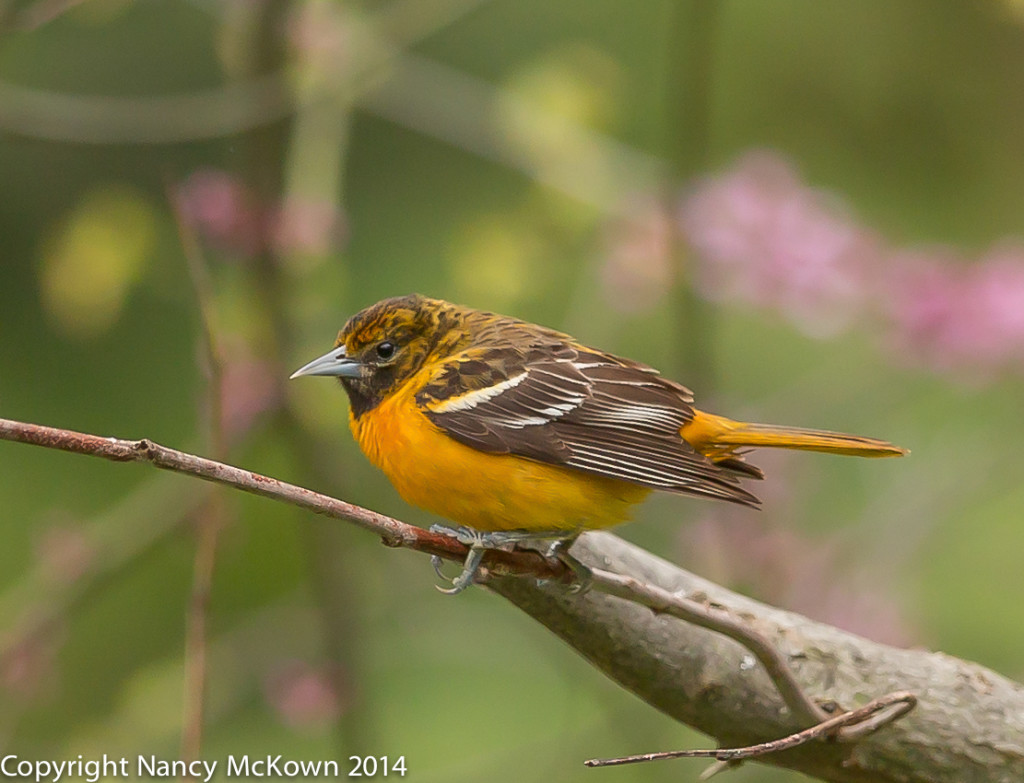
480, 490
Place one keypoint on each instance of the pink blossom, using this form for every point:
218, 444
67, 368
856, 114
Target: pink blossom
764, 238
222, 209
998, 288
303, 696
921, 298
965, 319
321, 33
230, 216
306, 226
28, 670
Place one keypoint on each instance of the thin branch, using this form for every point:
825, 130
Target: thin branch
721, 621
691, 27
393, 532
202, 287
196, 643
457, 108
873, 715
211, 113
418, 93
212, 518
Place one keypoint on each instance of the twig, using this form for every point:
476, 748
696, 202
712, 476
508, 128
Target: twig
874, 714
202, 287
393, 532
211, 519
720, 621
691, 28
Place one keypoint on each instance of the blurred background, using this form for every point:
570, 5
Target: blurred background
808, 212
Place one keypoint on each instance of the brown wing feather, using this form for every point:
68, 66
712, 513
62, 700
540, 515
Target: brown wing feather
579, 408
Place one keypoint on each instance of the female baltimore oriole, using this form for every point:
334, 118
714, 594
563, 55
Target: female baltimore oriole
502, 425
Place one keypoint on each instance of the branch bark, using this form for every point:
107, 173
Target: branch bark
968, 726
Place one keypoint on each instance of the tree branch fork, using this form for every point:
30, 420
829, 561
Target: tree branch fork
813, 720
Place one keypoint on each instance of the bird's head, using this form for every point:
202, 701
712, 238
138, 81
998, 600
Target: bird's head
384, 345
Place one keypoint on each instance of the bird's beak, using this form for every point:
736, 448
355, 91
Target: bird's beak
334, 362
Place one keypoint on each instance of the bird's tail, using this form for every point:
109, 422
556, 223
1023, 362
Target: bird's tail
717, 438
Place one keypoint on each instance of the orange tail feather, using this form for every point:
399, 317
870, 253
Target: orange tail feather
718, 437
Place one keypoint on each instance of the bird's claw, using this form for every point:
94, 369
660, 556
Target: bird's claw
479, 542
583, 577
459, 583
469, 570
437, 562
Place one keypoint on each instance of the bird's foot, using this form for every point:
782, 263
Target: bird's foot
470, 567
479, 542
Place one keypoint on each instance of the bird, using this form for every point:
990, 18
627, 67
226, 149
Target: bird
514, 431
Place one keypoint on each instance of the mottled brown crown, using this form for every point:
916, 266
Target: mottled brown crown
388, 317
417, 326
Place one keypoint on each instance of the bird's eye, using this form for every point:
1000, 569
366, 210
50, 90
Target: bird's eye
386, 349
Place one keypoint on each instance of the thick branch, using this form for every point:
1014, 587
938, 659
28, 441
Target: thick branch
968, 725
700, 612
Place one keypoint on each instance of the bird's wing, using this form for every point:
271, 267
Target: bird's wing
567, 405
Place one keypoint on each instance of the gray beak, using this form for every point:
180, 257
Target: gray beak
334, 362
